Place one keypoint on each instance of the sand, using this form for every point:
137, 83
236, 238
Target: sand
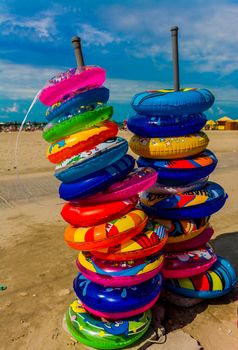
38, 268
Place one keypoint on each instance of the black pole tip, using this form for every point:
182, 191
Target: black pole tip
175, 28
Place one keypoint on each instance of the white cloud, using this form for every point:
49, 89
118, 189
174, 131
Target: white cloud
14, 108
208, 31
94, 36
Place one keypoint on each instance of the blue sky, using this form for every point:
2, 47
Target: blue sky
131, 39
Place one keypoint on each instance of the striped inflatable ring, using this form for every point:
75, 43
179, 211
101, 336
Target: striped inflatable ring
189, 263
103, 334
170, 189
81, 141
166, 126
114, 303
88, 77
188, 205
97, 181
184, 170
150, 241
76, 102
170, 102
119, 274
108, 234
96, 214
214, 283
170, 147
74, 123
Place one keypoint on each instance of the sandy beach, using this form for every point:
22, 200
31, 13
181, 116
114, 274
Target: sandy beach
38, 268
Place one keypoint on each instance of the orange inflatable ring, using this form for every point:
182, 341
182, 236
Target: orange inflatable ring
169, 147
85, 216
108, 234
148, 242
81, 141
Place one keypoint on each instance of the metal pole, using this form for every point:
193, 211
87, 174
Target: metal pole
76, 42
174, 37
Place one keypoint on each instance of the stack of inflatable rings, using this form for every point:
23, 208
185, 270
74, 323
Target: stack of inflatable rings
167, 137
120, 256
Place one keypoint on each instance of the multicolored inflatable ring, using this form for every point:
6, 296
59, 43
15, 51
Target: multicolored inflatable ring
169, 148
81, 141
214, 283
150, 241
188, 263
77, 122
103, 334
184, 170
90, 162
188, 205
108, 234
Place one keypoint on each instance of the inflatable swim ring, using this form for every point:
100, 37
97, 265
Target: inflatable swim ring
75, 103
81, 141
150, 241
108, 234
214, 283
167, 189
119, 274
188, 263
188, 205
103, 334
166, 126
186, 234
96, 214
170, 147
170, 102
137, 181
180, 171
97, 181
114, 303
88, 77
89, 162
55, 131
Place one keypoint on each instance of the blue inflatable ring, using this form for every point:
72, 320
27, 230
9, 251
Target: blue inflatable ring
187, 205
119, 300
214, 283
73, 104
174, 103
98, 180
166, 126
88, 162
183, 170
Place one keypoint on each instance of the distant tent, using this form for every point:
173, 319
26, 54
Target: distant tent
224, 119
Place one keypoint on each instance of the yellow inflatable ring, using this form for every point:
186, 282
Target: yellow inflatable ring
169, 147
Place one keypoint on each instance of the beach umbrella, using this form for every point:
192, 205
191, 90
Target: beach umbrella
210, 122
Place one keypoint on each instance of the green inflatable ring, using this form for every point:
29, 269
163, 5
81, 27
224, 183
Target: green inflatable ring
78, 122
99, 334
